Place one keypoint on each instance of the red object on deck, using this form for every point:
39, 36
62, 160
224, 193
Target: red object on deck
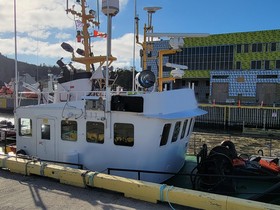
270, 165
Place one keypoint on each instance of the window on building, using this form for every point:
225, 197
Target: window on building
202, 58
95, 132
266, 47
238, 48
165, 134
195, 83
246, 48
273, 46
219, 76
254, 47
238, 65
45, 132
207, 83
176, 131
258, 64
184, 128
259, 47
267, 76
230, 65
222, 65
69, 130
124, 134
25, 126
266, 64
277, 64
253, 64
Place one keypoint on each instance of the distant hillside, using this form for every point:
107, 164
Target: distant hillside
7, 70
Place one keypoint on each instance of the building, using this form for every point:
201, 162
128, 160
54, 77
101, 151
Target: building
227, 68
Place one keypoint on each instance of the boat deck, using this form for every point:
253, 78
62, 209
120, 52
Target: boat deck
245, 187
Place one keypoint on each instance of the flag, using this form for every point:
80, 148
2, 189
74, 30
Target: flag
79, 24
100, 34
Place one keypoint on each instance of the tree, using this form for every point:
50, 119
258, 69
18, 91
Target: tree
124, 79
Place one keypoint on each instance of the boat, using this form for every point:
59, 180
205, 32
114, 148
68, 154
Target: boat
27, 95
83, 121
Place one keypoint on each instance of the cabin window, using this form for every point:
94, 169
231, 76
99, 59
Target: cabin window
69, 130
95, 132
176, 131
190, 127
184, 128
165, 134
124, 134
45, 132
25, 127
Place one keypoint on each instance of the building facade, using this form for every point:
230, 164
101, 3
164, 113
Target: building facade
229, 67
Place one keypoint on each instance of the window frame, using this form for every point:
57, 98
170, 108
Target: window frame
96, 134
124, 134
165, 134
21, 126
71, 134
176, 131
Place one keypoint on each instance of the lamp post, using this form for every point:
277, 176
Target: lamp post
16, 67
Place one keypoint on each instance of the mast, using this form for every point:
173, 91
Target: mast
85, 19
109, 8
83, 36
134, 42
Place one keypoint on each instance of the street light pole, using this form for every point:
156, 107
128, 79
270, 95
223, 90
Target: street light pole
16, 66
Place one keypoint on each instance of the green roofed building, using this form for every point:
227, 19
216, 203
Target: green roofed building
231, 67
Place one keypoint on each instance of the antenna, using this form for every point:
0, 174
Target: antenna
67, 6
151, 11
145, 45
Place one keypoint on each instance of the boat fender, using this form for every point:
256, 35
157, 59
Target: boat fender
21, 152
228, 144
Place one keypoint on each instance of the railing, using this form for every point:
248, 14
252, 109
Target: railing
244, 143
49, 97
250, 116
140, 171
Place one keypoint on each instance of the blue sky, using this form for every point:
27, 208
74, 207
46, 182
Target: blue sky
43, 25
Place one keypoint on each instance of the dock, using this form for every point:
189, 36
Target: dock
33, 192
36, 188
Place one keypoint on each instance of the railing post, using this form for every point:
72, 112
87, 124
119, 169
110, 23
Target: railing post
264, 119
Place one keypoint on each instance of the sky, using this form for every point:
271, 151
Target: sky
41, 26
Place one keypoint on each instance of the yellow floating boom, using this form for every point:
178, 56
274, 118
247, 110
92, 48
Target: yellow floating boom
141, 190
